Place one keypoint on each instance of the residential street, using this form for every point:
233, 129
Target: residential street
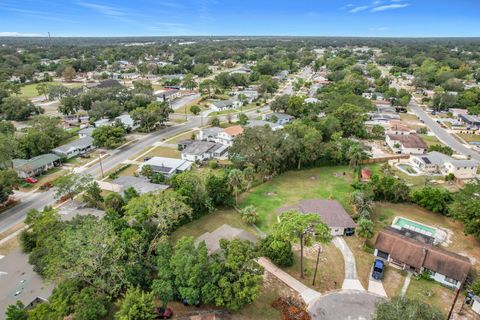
441, 133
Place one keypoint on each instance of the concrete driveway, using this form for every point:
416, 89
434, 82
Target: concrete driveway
351, 281
344, 305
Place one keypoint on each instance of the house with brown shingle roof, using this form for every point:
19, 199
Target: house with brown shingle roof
407, 144
446, 267
331, 213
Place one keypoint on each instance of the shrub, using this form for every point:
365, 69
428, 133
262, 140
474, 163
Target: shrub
277, 250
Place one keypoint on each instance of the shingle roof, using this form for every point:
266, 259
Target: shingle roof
234, 130
331, 212
81, 143
418, 254
201, 147
409, 140
35, 162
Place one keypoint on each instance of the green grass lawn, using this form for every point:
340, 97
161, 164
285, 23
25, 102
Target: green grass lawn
183, 136
432, 293
469, 137
210, 222
164, 152
430, 140
292, 186
30, 90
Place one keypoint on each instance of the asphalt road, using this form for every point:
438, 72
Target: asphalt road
441, 133
38, 200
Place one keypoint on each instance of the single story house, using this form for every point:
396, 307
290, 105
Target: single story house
262, 123
280, 118
407, 144
398, 128
281, 76
448, 268
220, 105
85, 132
241, 70
311, 100
438, 163
229, 134
227, 232
109, 83
203, 150
140, 184
74, 148
469, 120
330, 211
209, 134
36, 165
167, 166
125, 119
456, 112
250, 95
167, 95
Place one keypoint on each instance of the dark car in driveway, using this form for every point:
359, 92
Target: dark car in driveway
378, 269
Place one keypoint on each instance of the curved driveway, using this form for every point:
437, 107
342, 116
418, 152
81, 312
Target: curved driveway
441, 133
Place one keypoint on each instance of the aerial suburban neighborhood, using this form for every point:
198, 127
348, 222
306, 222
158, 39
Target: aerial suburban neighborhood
238, 177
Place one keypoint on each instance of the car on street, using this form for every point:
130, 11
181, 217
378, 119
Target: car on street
378, 269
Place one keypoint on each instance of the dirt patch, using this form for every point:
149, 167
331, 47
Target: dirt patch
313, 178
9, 246
270, 194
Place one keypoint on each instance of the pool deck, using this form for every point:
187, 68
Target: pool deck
401, 222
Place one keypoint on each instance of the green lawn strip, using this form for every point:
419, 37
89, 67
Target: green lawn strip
30, 90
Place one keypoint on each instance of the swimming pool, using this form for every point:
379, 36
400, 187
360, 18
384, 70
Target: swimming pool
400, 223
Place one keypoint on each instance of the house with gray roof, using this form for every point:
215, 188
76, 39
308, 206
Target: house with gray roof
221, 105
262, 123
74, 148
209, 134
85, 132
36, 165
203, 150
438, 163
331, 213
167, 166
140, 184
280, 118
227, 232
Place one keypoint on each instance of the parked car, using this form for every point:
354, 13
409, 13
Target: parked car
378, 269
163, 313
31, 180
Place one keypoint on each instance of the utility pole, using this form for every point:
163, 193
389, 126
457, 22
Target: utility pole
316, 266
455, 301
101, 166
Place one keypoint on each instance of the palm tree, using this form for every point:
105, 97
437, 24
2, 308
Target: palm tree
362, 203
236, 182
356, 154
365, 229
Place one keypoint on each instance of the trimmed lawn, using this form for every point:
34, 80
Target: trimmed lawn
430, 140
164, 152
331, 268
211, 222
408, 117
469, 137
49, 176
30, 90
432, 293
183, 136
290, 187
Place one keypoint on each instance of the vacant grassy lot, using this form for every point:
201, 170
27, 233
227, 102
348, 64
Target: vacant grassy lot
210, 222
430, 140
290, 187
469, 137
30, 90
183, 136
432, 293
164, 152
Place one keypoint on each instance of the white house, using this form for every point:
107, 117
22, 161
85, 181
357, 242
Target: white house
36, 165
229, 134
209, 134
74, 148
203, 150
438, 163
125, 119
167, 166
261, 123
251, 95
221, 105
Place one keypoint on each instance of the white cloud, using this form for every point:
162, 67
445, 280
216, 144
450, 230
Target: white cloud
106, 10
347, 6
358, 9
19, 34
390, 7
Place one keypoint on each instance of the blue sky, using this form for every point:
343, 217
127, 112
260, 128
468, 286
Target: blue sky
384, 18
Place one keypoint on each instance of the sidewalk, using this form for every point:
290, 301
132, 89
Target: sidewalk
308, 295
